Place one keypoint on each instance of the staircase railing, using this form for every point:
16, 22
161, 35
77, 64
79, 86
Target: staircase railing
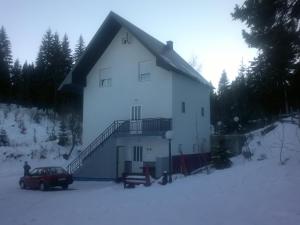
105, 135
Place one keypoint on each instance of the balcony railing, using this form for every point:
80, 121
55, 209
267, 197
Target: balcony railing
150, 126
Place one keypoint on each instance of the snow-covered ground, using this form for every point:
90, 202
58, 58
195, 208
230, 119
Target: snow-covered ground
252, 192
30, 134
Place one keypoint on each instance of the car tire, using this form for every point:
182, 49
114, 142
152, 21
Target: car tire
65, 187
22, 185
43, 186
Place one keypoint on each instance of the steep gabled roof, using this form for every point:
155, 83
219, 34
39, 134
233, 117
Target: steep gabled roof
165, 57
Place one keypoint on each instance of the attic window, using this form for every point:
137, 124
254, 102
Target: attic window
105, 77
145, 69
125, 39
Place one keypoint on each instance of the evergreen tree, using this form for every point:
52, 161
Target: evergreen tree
67, 55
4, 141
45, 53
240, 96
44, 71
29, 85
17, 82
220, 156
50, 68
63, 138
79, 49
57, 70
5, 66
223, 101
274, 31
223, 83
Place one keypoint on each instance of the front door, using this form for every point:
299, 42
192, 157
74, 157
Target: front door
136, 120
137, 159
121, 157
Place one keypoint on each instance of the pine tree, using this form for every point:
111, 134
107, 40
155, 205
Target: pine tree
3, 138
240, 96
223, 83
220, 156
67, 55
43, 61
224, 111
79, 49
274, 31
44, 66
17, 82
50, 68
5, 66
63, 138
30, 85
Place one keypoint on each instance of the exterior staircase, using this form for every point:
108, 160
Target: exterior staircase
120, 128
89, 150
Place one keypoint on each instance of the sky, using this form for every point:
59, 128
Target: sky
200, 29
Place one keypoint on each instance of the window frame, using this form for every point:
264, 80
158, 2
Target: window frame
105, 80
145, 76
137, 153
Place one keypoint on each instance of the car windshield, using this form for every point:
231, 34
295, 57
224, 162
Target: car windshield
34, 171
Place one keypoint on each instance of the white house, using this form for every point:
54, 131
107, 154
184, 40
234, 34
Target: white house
135, 89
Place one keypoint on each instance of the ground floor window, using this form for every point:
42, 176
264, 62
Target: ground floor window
138, 153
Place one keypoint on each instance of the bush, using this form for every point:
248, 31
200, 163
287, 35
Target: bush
220, 157
3, 138
63, 138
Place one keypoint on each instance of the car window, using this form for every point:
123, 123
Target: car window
52, 171
34, 171
43, 172
60, 170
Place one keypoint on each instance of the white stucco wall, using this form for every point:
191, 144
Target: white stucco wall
152, 147
101, 106
191, 127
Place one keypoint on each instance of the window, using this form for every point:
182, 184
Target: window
202, 111
183, 107
125, 39
138, 153
180, 148
136, 112
105, 78
145, 69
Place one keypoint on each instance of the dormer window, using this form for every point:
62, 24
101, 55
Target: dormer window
105, 77
145, 69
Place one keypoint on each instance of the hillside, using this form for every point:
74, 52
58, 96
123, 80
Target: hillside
30, 134
263, 190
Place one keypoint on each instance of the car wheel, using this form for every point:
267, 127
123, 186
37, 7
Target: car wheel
65, 187
43, 187
22, 185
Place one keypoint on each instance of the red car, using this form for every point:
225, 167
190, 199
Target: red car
46, 177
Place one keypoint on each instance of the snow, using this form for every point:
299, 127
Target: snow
31, 144
256, 192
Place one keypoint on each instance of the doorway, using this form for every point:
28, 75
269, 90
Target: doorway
137, 159
136, 120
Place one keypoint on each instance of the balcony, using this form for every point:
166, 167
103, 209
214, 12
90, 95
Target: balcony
144, 127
